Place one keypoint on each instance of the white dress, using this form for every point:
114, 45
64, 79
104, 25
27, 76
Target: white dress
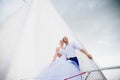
59, 70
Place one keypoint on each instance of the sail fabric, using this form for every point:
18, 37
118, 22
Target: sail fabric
30, 37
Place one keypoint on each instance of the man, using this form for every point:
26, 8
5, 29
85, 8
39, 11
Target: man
70, 50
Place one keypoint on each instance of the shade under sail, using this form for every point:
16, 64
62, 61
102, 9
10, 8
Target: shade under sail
30, 37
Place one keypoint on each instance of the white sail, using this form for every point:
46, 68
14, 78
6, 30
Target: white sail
30, 37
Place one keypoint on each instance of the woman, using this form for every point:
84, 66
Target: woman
60, 68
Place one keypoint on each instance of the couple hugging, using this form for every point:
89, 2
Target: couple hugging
69, 49
67, 63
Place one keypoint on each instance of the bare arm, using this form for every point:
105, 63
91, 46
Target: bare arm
56, 54
54, 58
85, 52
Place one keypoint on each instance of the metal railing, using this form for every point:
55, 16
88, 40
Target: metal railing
89, 72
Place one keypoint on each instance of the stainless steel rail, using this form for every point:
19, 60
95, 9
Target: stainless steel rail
101, 69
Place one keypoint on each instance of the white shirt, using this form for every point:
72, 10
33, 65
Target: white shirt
70, 49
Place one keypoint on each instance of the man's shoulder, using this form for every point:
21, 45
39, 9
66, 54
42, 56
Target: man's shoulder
72, 43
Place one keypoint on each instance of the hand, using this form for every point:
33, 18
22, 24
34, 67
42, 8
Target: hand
89, 56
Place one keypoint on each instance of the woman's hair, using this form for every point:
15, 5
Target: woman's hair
63, 38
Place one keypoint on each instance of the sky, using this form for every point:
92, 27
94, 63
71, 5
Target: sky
95, 23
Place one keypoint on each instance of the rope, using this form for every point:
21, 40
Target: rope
75, 76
